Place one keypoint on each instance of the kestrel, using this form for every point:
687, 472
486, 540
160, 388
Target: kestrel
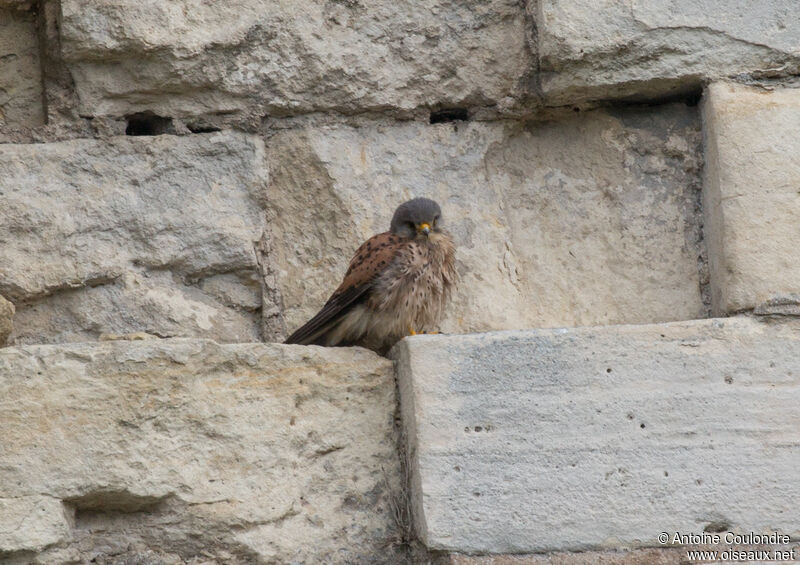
398, 283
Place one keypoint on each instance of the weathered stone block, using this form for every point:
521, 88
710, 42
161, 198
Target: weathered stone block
244, 453
124, 235
596, 438
6, 319
264, 57
752, 196
586, 219
31, 523
21, 102
650, 48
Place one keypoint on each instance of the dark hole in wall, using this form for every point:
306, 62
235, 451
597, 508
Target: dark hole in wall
449, 115
689, 94
718, 526
115, 501
693, 98
147, 123
202, 128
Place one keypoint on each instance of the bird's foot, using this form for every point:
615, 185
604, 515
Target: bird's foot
411, 331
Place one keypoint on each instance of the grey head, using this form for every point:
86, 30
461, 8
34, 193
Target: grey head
419, 216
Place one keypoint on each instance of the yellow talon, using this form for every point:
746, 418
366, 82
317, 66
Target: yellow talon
423, 332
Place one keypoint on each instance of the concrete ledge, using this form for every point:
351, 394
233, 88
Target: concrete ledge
594, 438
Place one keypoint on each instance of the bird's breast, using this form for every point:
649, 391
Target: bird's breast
416, 287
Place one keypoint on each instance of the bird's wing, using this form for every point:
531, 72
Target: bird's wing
370, 260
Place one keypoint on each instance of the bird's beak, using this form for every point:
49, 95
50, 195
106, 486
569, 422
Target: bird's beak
424, 228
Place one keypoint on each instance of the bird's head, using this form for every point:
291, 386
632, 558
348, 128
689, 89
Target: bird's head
417, 218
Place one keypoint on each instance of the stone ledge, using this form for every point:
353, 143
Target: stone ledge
187, 448
601, 438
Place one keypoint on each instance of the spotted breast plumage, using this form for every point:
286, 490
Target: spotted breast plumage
398, 283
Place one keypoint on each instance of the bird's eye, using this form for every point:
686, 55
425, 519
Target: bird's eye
436, 218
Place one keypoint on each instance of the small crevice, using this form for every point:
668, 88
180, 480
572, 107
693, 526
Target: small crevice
202, 128
23, 297
717, 526
120, 500
449, 115
693, 98
689, 93
148, 123
779, 307
22, 557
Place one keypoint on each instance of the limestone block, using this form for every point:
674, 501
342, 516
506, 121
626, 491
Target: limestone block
31, 523
599, 438
586, 219
272, 57
150, 234
245, 453
21, 102
6, 319
752, 196
647, 48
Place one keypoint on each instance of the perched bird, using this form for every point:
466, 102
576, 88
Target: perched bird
398, 283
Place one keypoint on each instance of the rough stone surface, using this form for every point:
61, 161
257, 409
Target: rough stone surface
151, 234
752, 195
650, 48
184, 451
780, 306
6, 319
586, 219
563, 139
31, 523
272, 57
596, 438
21, 102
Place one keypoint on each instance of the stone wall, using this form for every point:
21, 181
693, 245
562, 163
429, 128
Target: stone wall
600, 438
160, 451
197, 175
